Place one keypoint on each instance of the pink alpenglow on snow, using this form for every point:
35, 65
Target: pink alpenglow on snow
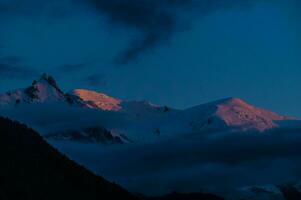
98, 100
234, 112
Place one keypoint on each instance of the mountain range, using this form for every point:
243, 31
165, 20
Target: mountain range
153, 149
139, 121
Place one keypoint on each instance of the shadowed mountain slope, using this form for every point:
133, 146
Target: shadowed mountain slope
31, 169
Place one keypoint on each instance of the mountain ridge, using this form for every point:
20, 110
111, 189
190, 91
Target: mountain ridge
229, 112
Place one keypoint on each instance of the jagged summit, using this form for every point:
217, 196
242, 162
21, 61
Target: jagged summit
45, 89
48, 79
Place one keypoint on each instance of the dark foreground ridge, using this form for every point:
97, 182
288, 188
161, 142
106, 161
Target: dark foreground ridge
31, 169
188, 196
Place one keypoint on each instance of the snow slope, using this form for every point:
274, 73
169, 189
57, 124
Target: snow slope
234, 113
97, 100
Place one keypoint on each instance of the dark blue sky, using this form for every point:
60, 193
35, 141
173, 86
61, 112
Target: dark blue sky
178, 53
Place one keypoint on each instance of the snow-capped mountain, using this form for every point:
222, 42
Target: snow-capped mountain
136, 120
46, 90
43, 90
234, 113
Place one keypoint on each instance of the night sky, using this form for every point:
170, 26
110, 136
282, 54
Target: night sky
172, 52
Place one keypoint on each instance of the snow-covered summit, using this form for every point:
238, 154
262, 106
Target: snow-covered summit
43, 90
46, 90
97, 100
234, 112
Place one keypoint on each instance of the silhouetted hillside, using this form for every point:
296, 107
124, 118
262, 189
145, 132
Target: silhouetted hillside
31, 169
188, 196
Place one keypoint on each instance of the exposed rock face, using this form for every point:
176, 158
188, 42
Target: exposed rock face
89, 135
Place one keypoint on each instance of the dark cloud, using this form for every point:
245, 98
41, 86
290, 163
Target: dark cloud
72, 67
229, 150
190, 163
157, 20
11, 60
10, 71
10, 67
54, 9
96, 80
151, 18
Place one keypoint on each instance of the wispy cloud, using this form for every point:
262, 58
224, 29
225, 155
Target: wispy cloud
72, 67
96, 80
11, 67
156, 20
